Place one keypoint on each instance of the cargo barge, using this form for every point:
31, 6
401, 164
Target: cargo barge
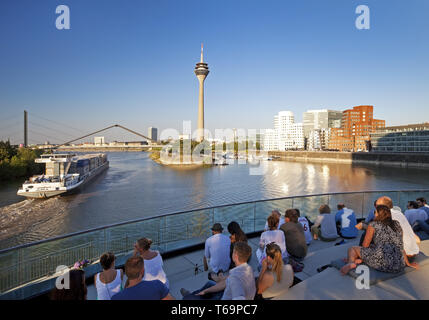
64, 174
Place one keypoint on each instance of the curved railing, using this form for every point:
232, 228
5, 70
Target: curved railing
25, 263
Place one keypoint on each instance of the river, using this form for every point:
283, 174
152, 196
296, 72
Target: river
134, 186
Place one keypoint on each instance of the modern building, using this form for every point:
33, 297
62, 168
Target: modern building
152, 133
99, 141
356, 126
407, 138
286, 135
201, 71
318, 139
320, 119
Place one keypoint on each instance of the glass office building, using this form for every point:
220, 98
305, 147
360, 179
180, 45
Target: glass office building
409, 138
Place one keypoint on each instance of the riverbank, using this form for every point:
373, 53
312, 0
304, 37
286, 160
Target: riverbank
414, 160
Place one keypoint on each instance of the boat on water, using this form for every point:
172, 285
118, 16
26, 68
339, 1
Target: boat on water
64, 174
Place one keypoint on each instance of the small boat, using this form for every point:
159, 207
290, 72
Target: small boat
64, 173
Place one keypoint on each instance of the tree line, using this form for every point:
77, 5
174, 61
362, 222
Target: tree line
18, 162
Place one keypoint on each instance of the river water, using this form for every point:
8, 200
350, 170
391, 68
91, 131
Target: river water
134, 186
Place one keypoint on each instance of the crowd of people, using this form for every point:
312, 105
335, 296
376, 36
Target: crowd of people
388, 243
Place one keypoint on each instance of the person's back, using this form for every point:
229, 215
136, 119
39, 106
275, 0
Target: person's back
145, 290
328, 226
295, 239
240, 284
276, 236
347, 219
414, 215
278, 288
217, 249
153, 269
106, 290
409, 239
386, 253
307, 231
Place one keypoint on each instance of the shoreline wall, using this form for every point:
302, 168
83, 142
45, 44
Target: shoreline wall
416, 160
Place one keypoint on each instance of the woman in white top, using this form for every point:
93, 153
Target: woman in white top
152, 261
275, 277
272, 235
109, 281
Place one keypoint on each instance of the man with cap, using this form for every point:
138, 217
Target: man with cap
216, 251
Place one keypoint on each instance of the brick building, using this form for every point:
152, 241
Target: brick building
356, 126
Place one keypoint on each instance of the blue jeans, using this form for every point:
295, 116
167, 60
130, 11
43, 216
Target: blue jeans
208, 296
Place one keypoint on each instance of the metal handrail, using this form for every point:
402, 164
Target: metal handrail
69, 235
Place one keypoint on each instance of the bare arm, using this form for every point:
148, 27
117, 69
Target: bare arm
368, 237
417, 239
221, 285
95, 282
265, 282
206, 266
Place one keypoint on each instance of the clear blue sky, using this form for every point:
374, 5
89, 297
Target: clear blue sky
131, 62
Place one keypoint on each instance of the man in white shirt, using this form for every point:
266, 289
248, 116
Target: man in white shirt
414, 213
216, 251
410, 239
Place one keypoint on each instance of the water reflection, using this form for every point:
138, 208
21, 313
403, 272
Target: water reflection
135, 187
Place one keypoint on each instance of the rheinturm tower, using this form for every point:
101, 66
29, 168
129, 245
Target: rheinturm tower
201, 71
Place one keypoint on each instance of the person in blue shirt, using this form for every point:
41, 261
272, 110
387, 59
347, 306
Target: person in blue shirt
138, 289
423, 206
346, 219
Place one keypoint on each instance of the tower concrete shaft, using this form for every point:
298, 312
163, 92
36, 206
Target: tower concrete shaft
201, 71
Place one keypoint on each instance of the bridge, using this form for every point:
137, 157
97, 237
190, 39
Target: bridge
55, 130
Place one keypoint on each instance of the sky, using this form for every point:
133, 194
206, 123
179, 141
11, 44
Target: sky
132, 62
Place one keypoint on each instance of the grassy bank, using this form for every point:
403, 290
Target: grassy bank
18, 162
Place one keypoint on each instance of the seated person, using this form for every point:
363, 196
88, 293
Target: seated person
423, 205
152, 261
216, 251
238, 285
139, 289
306, 225
236, 235
109, 281
410, 239
324, 226
346, 219
281, 220
386, 253
294, 235
275, 277
272, 235
414, 213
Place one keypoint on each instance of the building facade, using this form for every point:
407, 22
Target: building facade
357, 124
408, 138
152, 133
320, 119
287, 135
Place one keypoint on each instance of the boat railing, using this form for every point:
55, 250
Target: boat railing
23, 264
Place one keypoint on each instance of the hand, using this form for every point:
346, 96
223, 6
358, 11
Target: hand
359, 226
201, 293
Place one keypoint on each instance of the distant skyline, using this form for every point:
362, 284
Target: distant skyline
132, 62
